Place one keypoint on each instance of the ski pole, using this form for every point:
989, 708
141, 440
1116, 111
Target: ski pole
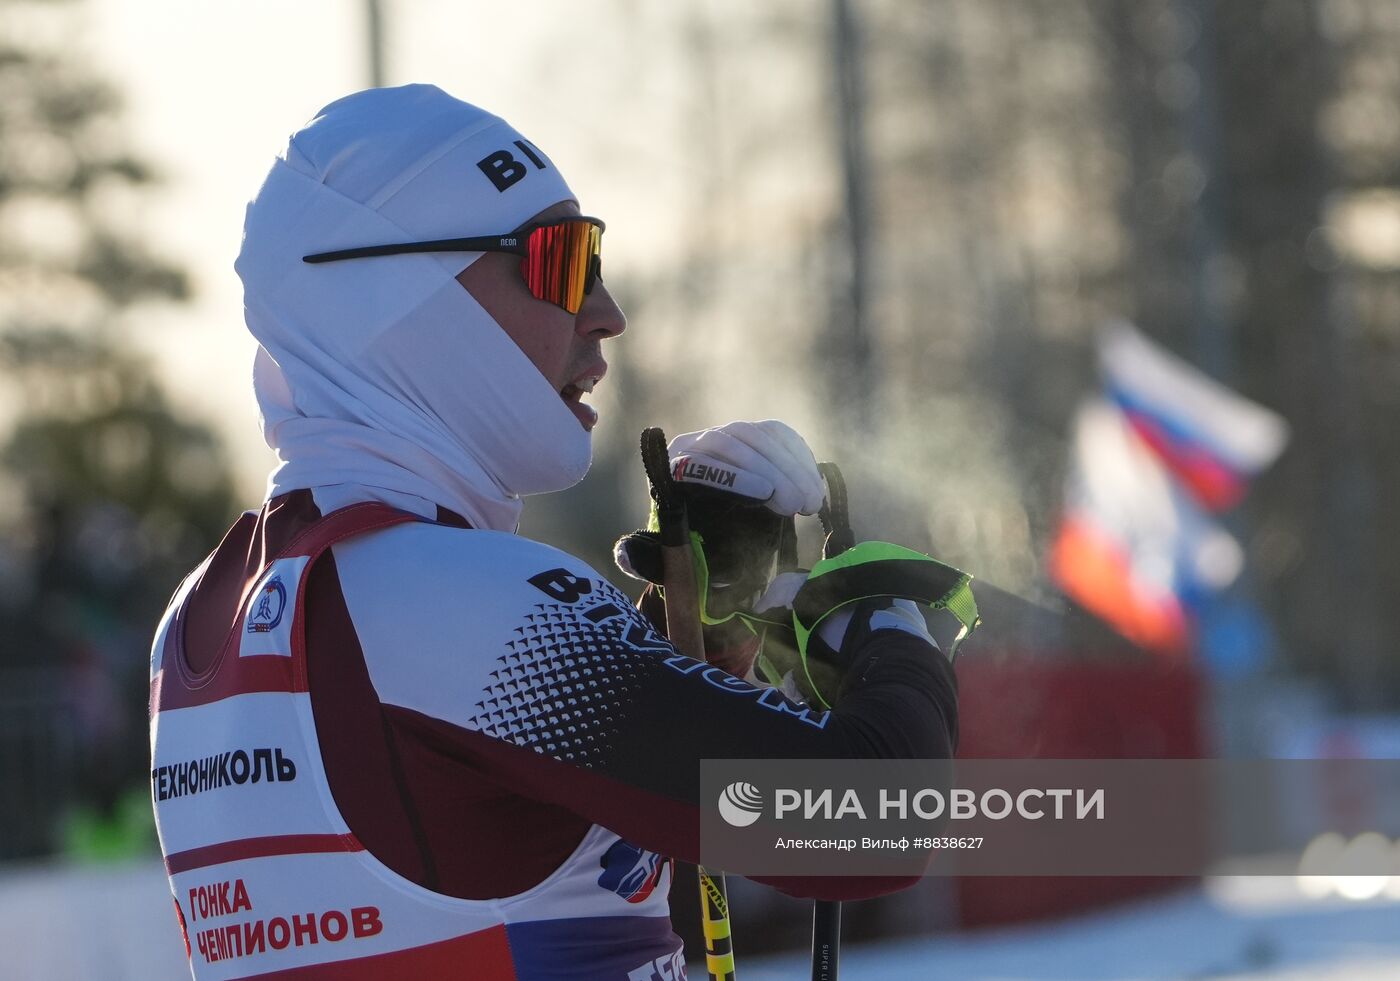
826, 939
682, 597
826, 914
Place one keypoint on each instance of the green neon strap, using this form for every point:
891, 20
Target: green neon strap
702, 579
868, 570
763, 664
880, 569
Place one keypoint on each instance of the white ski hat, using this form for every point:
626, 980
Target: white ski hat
385, 372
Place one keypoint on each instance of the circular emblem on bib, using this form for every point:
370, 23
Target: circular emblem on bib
267, 611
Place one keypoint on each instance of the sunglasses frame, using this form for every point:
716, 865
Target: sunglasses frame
516, 243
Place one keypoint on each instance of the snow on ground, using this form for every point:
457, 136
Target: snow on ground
89, 923
1252, 928
116, 922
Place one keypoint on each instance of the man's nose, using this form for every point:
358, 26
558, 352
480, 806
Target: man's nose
600, 316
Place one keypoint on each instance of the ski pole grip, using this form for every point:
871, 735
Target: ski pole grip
682, 589
670, 506
835, 513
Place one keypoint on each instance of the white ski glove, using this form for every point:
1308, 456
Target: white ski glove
741, 483
766, 461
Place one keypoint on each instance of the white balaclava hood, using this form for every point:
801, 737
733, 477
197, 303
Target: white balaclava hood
385, 372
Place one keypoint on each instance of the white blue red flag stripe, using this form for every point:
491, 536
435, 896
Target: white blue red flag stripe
1132, 548
1212, 439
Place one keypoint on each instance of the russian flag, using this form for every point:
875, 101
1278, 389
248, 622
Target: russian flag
1210, 438
1132, 548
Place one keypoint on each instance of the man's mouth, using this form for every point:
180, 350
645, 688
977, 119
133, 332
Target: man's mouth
573, 394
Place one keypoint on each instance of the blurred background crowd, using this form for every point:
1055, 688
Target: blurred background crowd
907, 228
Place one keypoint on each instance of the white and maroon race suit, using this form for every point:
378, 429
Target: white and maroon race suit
385, 746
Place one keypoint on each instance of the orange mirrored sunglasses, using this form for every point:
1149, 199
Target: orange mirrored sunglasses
561, 259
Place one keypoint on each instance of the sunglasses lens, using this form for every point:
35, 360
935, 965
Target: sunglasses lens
560, 263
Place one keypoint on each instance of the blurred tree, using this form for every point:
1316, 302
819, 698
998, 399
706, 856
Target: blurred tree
1351, 254
107, 497
1222, 174
1246, 136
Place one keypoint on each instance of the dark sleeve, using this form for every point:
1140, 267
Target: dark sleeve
616, 723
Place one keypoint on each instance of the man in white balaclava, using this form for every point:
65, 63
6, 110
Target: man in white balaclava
390, 737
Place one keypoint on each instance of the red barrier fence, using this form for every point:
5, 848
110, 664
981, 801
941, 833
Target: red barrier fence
1023, 707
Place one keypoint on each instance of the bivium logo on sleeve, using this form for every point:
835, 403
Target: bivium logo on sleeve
740, 804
